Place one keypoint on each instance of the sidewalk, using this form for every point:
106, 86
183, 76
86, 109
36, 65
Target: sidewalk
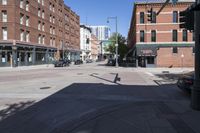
5, 69
169, 70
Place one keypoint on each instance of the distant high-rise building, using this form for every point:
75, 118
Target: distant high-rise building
101, 32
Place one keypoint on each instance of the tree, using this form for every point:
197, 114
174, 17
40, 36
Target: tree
122, 47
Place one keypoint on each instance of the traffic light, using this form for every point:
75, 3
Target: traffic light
87, 41
150, 15
186, 20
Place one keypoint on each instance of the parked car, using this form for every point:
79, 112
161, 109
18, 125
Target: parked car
186, 81
89, 60
78, 62
61, 63
111, 62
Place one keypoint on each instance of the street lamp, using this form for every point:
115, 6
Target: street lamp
116, 45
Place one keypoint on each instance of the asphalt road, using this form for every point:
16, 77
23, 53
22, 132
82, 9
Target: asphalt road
56, 100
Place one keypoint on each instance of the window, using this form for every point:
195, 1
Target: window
185, 36
142, 17
43, 2
38, 1
27, 20
141, 36
21, 35
39, 12
21, 18
54, 31
22, 4
39, 39
175, 17
174, 36
153, 17
53, 8
4, 33
50, 18
4, 16
175, 50
4, 2
27, 6
54, 42
150, 60
27, 36
43, 14
50, 6
43, 39
51, 30
43, 26
153, 36
53, 20
39, 25
51, 41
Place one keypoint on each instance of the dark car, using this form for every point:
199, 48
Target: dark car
89, 61
111, 62
186, 81
78, 62
62, 63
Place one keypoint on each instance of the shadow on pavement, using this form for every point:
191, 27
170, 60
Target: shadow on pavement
14, 109
77, 103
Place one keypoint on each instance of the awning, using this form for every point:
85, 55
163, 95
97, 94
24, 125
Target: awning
146, 50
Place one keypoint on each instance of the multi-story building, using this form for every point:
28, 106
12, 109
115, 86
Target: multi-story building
160, 43
37, 31
85, 42
101, 32
94, 47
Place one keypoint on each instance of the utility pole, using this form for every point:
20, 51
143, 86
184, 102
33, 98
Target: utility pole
116, 45
196, 89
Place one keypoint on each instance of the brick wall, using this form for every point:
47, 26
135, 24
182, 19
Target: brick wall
166, 58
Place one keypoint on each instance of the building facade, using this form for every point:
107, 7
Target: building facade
85, 42
101, 32
37, 31
94, 47
160, 42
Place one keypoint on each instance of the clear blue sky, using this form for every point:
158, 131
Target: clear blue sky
97, 11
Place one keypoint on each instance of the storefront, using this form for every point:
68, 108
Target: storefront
146, 55
17, 54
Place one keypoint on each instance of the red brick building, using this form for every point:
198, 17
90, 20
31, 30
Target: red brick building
160, 43
37, 31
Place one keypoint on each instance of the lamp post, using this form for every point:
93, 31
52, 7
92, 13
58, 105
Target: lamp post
116, 45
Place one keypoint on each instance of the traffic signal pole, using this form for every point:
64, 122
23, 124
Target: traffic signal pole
196, 89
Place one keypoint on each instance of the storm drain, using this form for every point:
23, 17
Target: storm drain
44, 88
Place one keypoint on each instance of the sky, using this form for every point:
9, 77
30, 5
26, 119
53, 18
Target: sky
95, 12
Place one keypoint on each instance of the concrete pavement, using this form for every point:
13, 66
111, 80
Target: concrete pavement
85, 99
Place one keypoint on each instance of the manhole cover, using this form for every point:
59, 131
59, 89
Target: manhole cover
43, 88
79, 73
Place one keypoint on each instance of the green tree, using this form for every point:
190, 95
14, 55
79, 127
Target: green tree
122, 47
